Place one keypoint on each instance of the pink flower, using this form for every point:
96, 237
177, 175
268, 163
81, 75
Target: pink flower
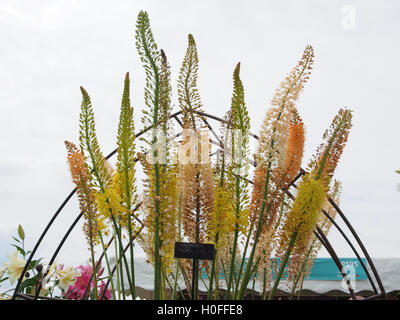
77, 291
107, 295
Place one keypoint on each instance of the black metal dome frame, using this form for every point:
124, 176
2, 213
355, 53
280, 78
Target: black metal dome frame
374, 281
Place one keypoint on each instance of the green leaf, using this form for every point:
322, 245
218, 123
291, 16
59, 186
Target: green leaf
21, 232
32, 282
34, 263
16, 239
397, 171
19, 249
4, 279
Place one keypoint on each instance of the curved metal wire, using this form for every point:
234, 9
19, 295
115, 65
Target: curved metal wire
60, 245
343, 235
341, 214
325, 242
46, 229
203, 116
40, 241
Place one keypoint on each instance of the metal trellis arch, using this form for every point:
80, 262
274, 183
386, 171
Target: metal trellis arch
374, 279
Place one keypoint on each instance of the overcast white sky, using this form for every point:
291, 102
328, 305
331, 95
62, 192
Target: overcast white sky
49, 48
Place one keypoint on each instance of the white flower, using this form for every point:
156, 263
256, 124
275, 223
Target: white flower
51, 271
44, 290
66, 277
14, 267
50, 278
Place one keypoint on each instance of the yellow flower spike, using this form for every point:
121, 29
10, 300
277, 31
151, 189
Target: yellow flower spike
222, 218
306, 259
167, 217
302, 218
311, 195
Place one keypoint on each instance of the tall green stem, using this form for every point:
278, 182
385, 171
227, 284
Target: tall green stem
257, 236
122, 254
236, 236
133, 293
157, 258
94, 269
244, 257
144, 39
177, 264
108, 265
117, 266
195, 261
213, 269
302, 269
283, 265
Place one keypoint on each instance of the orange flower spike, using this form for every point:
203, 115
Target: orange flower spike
260, 174
295, 148
324, 163
82, 179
